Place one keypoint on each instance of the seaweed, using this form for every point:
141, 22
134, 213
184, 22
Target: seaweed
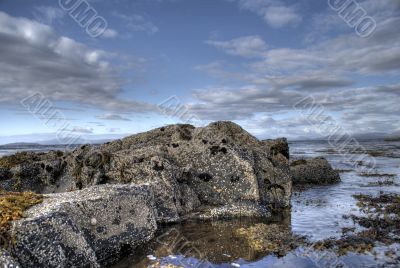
12, 207
298, 162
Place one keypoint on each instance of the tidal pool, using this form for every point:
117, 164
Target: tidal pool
288, 240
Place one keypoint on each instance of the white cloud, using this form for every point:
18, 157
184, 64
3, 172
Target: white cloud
272, 80
114, 117
137, 23
82, 130
274, 12
248, 46
279, 16
36, 59
109, 33
48, 14
113, 130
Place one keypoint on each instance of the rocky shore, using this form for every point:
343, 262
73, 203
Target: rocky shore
102, 201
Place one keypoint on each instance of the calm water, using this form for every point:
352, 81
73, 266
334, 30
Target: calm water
316, 213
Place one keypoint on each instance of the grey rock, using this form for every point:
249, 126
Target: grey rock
313, 171
7, 261
85, 228
180, 172
189, 167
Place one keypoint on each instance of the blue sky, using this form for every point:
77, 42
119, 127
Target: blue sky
249, 61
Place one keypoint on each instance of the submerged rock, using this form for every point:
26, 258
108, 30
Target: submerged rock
269, 239
85, 228
313, 171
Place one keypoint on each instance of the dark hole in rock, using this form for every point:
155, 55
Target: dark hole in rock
185, 134
158, 167
275, 186
181, 202
235, 179
104, 180
49, 169
125, 249
205, 177
42, 165
175, 145
79, 185
116, 221
267, 182
224, 141
186, 177
216, 149
138, 160
205, 141
162, 129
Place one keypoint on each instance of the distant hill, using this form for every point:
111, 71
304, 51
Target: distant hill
395, 136
79, 141
392, 138
20, 144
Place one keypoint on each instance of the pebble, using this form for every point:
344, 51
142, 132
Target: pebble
93, 221
235, 264
151, 257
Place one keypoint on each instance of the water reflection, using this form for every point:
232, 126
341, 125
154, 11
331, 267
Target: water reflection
219, 242
238, 243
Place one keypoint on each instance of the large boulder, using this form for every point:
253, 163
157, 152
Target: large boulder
189, 167
313, 171
85, 228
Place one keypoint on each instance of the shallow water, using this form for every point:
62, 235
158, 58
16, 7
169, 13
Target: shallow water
316, 213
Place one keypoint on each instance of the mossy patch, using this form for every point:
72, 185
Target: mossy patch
12, 206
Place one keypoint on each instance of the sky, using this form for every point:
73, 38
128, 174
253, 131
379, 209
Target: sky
158, 62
